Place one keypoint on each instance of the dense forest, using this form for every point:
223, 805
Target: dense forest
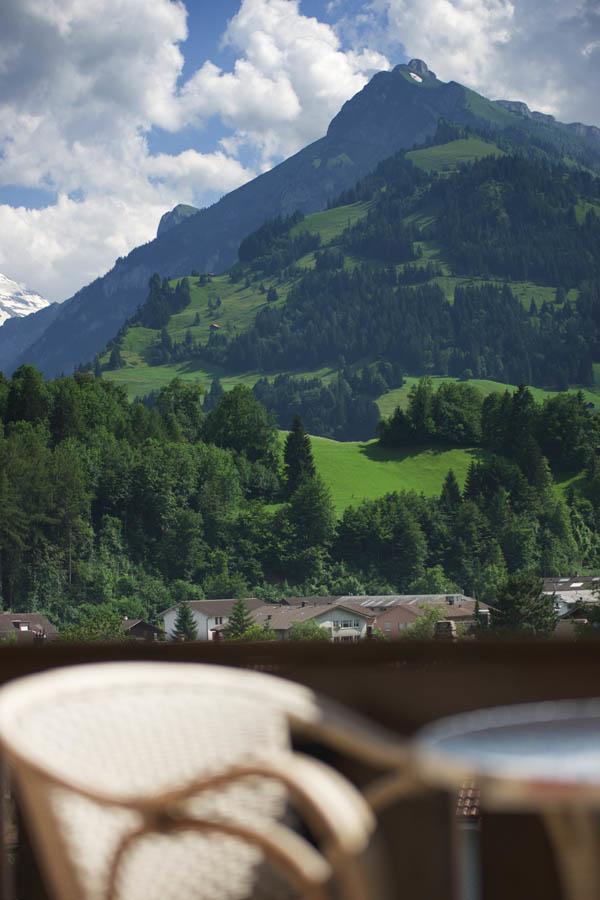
343, 408
423, 281
109, 508
343, 316
508, 218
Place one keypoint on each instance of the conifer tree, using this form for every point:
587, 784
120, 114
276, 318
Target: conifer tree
522, 606
185, 626
297, 457
450, 498
240, 621
116, 360
212, 398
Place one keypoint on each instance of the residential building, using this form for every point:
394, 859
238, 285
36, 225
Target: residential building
141, 631
393, 613
571, 593
210, 616
342, 623
26, 627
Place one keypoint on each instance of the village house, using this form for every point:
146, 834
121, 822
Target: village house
393, 613
342, 623
210, 616
139, 630
26, 628
571, 594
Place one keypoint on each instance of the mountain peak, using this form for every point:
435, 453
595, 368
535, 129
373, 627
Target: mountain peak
174, 217
17, 301
419, 67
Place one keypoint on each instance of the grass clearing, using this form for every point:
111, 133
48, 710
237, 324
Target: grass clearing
332, 222
388, 402
357, 471
448, 157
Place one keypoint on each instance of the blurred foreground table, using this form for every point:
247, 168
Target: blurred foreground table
540, 757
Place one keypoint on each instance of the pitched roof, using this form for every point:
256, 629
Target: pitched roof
578, 583
311, 601
9, 623
130, 624
455, 606
281, 618
221, 607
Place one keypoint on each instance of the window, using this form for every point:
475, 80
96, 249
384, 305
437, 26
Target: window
218, 620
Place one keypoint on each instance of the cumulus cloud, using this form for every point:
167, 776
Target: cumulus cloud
82, 83
291, 77
545, 52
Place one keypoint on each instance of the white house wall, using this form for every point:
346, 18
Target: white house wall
203, 624
335, 621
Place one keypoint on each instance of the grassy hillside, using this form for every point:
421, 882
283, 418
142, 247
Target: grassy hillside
332, 222
447, 157
388, 402
358, 471
231, 306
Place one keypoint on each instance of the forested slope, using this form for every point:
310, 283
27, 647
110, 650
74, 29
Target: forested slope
467, 258
109, 508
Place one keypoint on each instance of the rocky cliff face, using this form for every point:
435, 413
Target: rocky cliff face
587, 132
175, 217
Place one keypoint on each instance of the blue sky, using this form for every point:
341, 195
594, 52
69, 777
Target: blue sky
112, 112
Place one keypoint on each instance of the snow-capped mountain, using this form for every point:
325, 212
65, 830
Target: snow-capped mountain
16, 300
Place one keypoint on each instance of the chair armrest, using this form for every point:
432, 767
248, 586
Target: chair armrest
333, 808
355, 736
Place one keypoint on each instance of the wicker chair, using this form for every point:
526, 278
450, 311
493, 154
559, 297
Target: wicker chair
150, 781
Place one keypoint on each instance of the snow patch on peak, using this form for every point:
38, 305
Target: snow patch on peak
16, 300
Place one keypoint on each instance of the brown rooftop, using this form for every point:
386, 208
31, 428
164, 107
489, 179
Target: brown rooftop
221, 607
34, 623
280, 618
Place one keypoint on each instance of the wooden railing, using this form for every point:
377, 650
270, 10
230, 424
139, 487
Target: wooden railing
401, 685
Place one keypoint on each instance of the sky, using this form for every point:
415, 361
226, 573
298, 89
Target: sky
114, 111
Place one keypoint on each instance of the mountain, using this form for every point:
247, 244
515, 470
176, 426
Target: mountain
175, 217
463, 259
577, 128
395, 110
17, 301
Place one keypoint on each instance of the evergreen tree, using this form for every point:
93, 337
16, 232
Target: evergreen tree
213, 396
522, 606
311, 513
297, 456
450, 498
240, 621
185, 625
27, 399
116, 360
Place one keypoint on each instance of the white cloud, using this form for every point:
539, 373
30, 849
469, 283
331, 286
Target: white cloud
542, 51
291, 78
83, 81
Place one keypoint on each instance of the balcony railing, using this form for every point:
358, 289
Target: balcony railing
401, 685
